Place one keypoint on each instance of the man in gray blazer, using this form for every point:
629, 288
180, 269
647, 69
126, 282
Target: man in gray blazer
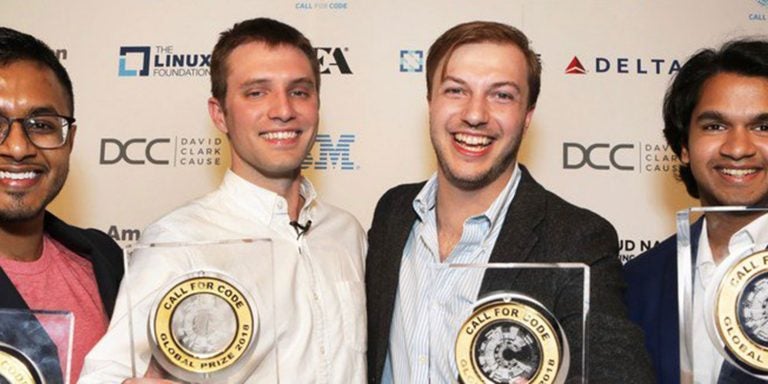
483, 80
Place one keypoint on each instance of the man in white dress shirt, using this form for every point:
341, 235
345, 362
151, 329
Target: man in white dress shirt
265, 85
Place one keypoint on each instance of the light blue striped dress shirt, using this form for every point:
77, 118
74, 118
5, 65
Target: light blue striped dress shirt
433, 300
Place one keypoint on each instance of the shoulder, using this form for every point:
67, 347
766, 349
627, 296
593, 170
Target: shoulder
404, 193
190, 221
561, 216
83, 241
337, 218
649, 264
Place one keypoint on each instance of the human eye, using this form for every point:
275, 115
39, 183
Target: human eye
300, 92
713, 127
453, 91
254, 93
504, 96
43, 124
761, 127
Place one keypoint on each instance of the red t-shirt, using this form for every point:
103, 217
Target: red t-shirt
63, 281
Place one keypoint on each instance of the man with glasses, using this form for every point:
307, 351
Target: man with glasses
46, 264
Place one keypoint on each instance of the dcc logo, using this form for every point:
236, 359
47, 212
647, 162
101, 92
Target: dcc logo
134, 151
601, 156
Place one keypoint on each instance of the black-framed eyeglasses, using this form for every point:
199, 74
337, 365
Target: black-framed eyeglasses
44, 131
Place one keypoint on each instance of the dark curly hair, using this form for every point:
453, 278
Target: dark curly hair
747, 57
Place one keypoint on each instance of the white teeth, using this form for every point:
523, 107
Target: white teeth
281, 135
472, 139
738, 172
16, 176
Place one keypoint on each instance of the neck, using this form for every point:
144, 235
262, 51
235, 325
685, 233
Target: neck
455, 205
721, 226
22, 241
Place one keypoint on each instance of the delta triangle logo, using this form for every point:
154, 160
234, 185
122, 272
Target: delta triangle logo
575, 67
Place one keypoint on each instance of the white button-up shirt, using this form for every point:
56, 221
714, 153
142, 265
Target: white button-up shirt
432, 301
752, 238
318, 284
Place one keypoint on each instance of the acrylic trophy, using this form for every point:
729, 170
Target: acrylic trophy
728, 302
35, 346
202, 312
527, 324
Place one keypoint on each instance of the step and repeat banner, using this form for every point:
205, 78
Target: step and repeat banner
145, 144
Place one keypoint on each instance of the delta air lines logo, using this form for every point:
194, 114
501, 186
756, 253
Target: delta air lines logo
575, 67
624, 65
161, 61
328, 154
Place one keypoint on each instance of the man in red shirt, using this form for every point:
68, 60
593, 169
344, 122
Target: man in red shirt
45, 264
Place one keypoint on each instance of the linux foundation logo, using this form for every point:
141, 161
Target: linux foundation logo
575, 67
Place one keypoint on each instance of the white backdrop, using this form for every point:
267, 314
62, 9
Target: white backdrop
145, 144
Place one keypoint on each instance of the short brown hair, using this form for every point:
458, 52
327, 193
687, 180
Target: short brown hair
264, 30
480, 32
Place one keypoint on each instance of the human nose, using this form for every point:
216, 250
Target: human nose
281, 108
739, 144
476, 111
16, 144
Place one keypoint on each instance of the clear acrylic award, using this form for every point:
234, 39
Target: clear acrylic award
512, 332
35, 346
202, 312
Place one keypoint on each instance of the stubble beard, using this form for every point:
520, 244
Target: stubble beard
19, 212
481, 180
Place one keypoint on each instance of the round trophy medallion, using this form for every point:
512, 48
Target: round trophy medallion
202, 326
738, 302
17, 368
511, 338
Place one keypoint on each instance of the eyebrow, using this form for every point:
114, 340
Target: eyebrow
494, 85
38, 111
306, 81
717, 116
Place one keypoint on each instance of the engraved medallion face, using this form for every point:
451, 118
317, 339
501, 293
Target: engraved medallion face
507, 352
201, 326
753, 309
510, 338
17, 368
739, 307
204, 325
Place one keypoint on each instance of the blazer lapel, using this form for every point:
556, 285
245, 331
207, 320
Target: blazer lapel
386, 280
518, 233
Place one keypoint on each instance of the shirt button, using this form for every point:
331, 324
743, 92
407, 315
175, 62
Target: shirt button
422, 359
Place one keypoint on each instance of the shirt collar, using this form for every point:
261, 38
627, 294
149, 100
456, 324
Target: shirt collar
263, 204
752, 237
426, 199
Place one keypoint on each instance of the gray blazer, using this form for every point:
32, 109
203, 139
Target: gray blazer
539, 227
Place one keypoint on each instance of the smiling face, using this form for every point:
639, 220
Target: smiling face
478, 114
270, 113
30, 177
728, 141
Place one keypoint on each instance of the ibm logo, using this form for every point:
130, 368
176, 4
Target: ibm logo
331, 155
